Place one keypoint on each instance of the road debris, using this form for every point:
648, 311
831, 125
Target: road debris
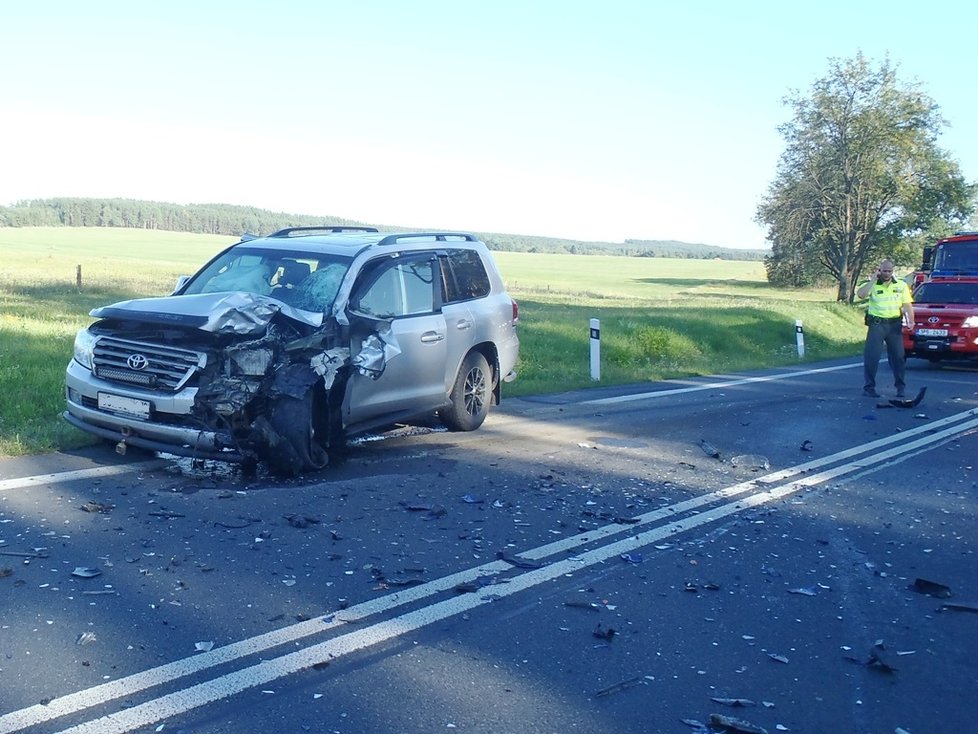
753, 462
519, 561
806, 445
734, 702
729, 723
604, 633
710, 450
803, 591
901, 403
621, 685
85, 638
958, 607
931, 588
778, 658
85, 572
633, 558
301, 521
96, 507
204, 646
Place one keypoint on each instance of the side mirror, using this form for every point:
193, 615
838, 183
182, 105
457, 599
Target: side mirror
181, 282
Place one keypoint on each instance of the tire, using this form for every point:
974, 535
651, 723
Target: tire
295, 447
471, 395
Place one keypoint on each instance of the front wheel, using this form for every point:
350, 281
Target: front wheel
296, 446
470, 396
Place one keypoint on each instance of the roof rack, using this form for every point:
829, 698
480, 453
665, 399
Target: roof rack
393, 239
289, 231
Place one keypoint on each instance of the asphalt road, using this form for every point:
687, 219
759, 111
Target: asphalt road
772, 548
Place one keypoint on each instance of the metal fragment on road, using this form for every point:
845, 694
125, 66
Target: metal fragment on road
729, 723
931, 588
85, 572
85, 638
734, 702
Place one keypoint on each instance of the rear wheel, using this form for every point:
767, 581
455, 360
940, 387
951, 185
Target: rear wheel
471, 395
299, 426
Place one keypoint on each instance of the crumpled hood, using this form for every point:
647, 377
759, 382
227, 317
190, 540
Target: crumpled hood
223, 313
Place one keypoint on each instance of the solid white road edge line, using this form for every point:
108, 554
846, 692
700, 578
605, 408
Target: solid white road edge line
715, 385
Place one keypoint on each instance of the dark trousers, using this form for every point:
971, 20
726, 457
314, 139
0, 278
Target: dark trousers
878, 333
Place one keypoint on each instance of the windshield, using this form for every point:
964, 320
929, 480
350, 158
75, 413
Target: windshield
957, 257
305, 280
947, 293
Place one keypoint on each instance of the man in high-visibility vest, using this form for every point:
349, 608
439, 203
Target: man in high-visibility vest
890, 306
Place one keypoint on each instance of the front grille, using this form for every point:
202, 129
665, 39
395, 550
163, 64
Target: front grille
166, 368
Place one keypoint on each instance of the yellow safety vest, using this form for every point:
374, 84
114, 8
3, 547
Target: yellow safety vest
886, 300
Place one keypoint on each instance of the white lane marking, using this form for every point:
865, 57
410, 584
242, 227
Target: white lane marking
715, 385
70, 476
129, 685
263, 673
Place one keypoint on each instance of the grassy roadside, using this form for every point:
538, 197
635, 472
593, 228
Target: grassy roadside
659, 317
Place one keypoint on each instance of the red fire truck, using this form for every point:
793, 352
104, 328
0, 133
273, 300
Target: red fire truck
946, 301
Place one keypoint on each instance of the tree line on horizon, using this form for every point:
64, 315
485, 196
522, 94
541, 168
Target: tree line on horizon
234, 220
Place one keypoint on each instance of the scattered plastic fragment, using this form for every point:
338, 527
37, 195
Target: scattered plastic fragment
470, 499
634, 558
958, 607
754, 462
302, 521
735, 702
709, 449
931, 588
93, 506
604, 633
901, 403
728, 723
621, 685
804, 591
518, 561
84, 572
204, 646
583, 605
85, 638
778, 658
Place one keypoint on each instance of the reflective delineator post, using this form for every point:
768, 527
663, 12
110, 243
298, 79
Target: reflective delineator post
595, 349
800, 338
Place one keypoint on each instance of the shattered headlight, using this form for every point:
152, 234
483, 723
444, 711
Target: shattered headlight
971, 322
84, 347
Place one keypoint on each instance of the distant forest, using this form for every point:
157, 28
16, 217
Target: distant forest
227, 219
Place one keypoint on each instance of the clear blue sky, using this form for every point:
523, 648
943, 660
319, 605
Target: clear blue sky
601, 120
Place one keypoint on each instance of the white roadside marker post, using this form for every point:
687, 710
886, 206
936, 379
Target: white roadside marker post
595, 349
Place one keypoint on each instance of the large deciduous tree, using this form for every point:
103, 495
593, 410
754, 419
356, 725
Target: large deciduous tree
861, 178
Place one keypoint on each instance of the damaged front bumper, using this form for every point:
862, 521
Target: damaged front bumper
175, 435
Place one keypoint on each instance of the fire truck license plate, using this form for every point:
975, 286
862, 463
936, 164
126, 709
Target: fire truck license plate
931, 332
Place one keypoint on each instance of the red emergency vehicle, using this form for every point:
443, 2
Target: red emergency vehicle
946, 301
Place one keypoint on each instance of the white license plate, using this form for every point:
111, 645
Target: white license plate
126, 406
931, 332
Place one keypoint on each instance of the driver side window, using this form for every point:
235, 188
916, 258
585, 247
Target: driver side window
403, 289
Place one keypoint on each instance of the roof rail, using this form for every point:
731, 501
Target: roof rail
393, 239
289, 231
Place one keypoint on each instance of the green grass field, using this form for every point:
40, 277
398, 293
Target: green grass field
659, 317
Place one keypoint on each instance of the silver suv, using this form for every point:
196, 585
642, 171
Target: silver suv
281, 347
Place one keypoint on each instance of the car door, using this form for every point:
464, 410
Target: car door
397, 340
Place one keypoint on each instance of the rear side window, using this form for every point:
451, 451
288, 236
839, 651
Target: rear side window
464, 276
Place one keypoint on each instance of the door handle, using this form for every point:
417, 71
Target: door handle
429, 337
463, 324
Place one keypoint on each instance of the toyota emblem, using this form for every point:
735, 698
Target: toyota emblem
137, 362
933, 319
